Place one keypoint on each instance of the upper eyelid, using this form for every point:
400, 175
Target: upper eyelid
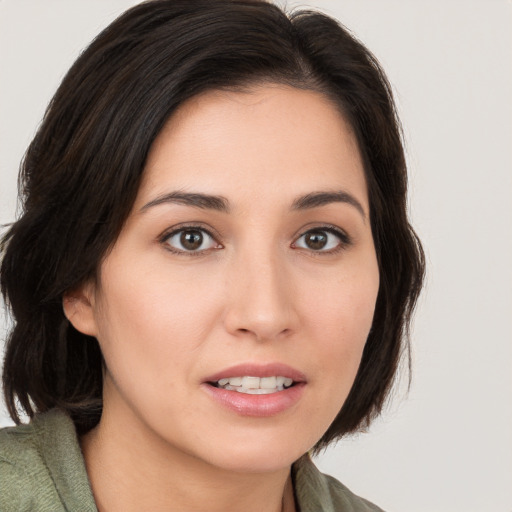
189, 226
346, 238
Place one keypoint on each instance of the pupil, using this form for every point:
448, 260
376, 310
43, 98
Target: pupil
316, 240
191, 240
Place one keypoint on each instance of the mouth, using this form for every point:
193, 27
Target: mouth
257, 390
253, 385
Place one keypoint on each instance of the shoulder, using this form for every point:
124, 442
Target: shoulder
24, 474
41, 466
316, 491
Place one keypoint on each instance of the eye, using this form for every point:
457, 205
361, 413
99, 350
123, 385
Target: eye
322, 240
192, 240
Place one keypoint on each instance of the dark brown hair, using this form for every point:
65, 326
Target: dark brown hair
81, 173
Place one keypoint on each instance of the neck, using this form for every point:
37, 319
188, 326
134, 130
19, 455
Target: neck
130, 470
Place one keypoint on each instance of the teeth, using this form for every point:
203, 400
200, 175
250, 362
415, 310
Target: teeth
250, 382
268, 382
255, 385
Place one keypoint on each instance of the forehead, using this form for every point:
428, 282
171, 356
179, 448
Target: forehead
265, 139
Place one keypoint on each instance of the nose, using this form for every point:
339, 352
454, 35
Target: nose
260, 300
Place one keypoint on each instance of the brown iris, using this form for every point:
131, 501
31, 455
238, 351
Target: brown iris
315, 240
191, 240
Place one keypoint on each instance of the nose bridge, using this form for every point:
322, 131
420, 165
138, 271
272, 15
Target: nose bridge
259, 290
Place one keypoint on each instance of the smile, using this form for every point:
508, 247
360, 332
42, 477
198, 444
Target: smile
255, 385
256, 390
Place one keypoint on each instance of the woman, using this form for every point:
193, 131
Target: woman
213, 273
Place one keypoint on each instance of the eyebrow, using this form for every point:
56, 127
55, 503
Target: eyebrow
196, 200
317, 199
221, 204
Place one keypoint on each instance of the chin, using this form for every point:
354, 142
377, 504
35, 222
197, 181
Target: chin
258, 456
255, 463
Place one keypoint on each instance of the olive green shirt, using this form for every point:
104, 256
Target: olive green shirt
42, 469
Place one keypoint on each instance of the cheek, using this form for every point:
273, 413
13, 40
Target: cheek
341, 318
153, 318
345, 304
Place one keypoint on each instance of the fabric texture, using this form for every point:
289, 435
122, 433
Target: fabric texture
42, 469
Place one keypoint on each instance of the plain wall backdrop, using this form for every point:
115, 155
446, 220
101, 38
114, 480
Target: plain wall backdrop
447, 446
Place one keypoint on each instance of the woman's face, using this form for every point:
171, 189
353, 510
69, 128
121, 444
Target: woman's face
246, 264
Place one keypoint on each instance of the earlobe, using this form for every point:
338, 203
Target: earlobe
78, 306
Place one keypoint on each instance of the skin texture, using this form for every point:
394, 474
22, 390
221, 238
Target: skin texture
255, 292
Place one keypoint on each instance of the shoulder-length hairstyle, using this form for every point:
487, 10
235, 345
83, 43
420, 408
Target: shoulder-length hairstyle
82, 171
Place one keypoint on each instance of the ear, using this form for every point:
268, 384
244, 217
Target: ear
79, 307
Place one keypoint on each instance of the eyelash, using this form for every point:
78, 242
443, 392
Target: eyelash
164, 240
344, 240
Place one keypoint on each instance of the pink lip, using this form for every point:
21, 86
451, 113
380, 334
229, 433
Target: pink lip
257, 405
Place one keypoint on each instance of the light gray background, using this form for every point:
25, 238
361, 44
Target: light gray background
447, 447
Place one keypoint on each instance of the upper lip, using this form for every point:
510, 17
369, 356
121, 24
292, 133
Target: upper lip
258, 370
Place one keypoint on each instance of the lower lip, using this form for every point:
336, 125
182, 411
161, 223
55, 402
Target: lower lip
256, 405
